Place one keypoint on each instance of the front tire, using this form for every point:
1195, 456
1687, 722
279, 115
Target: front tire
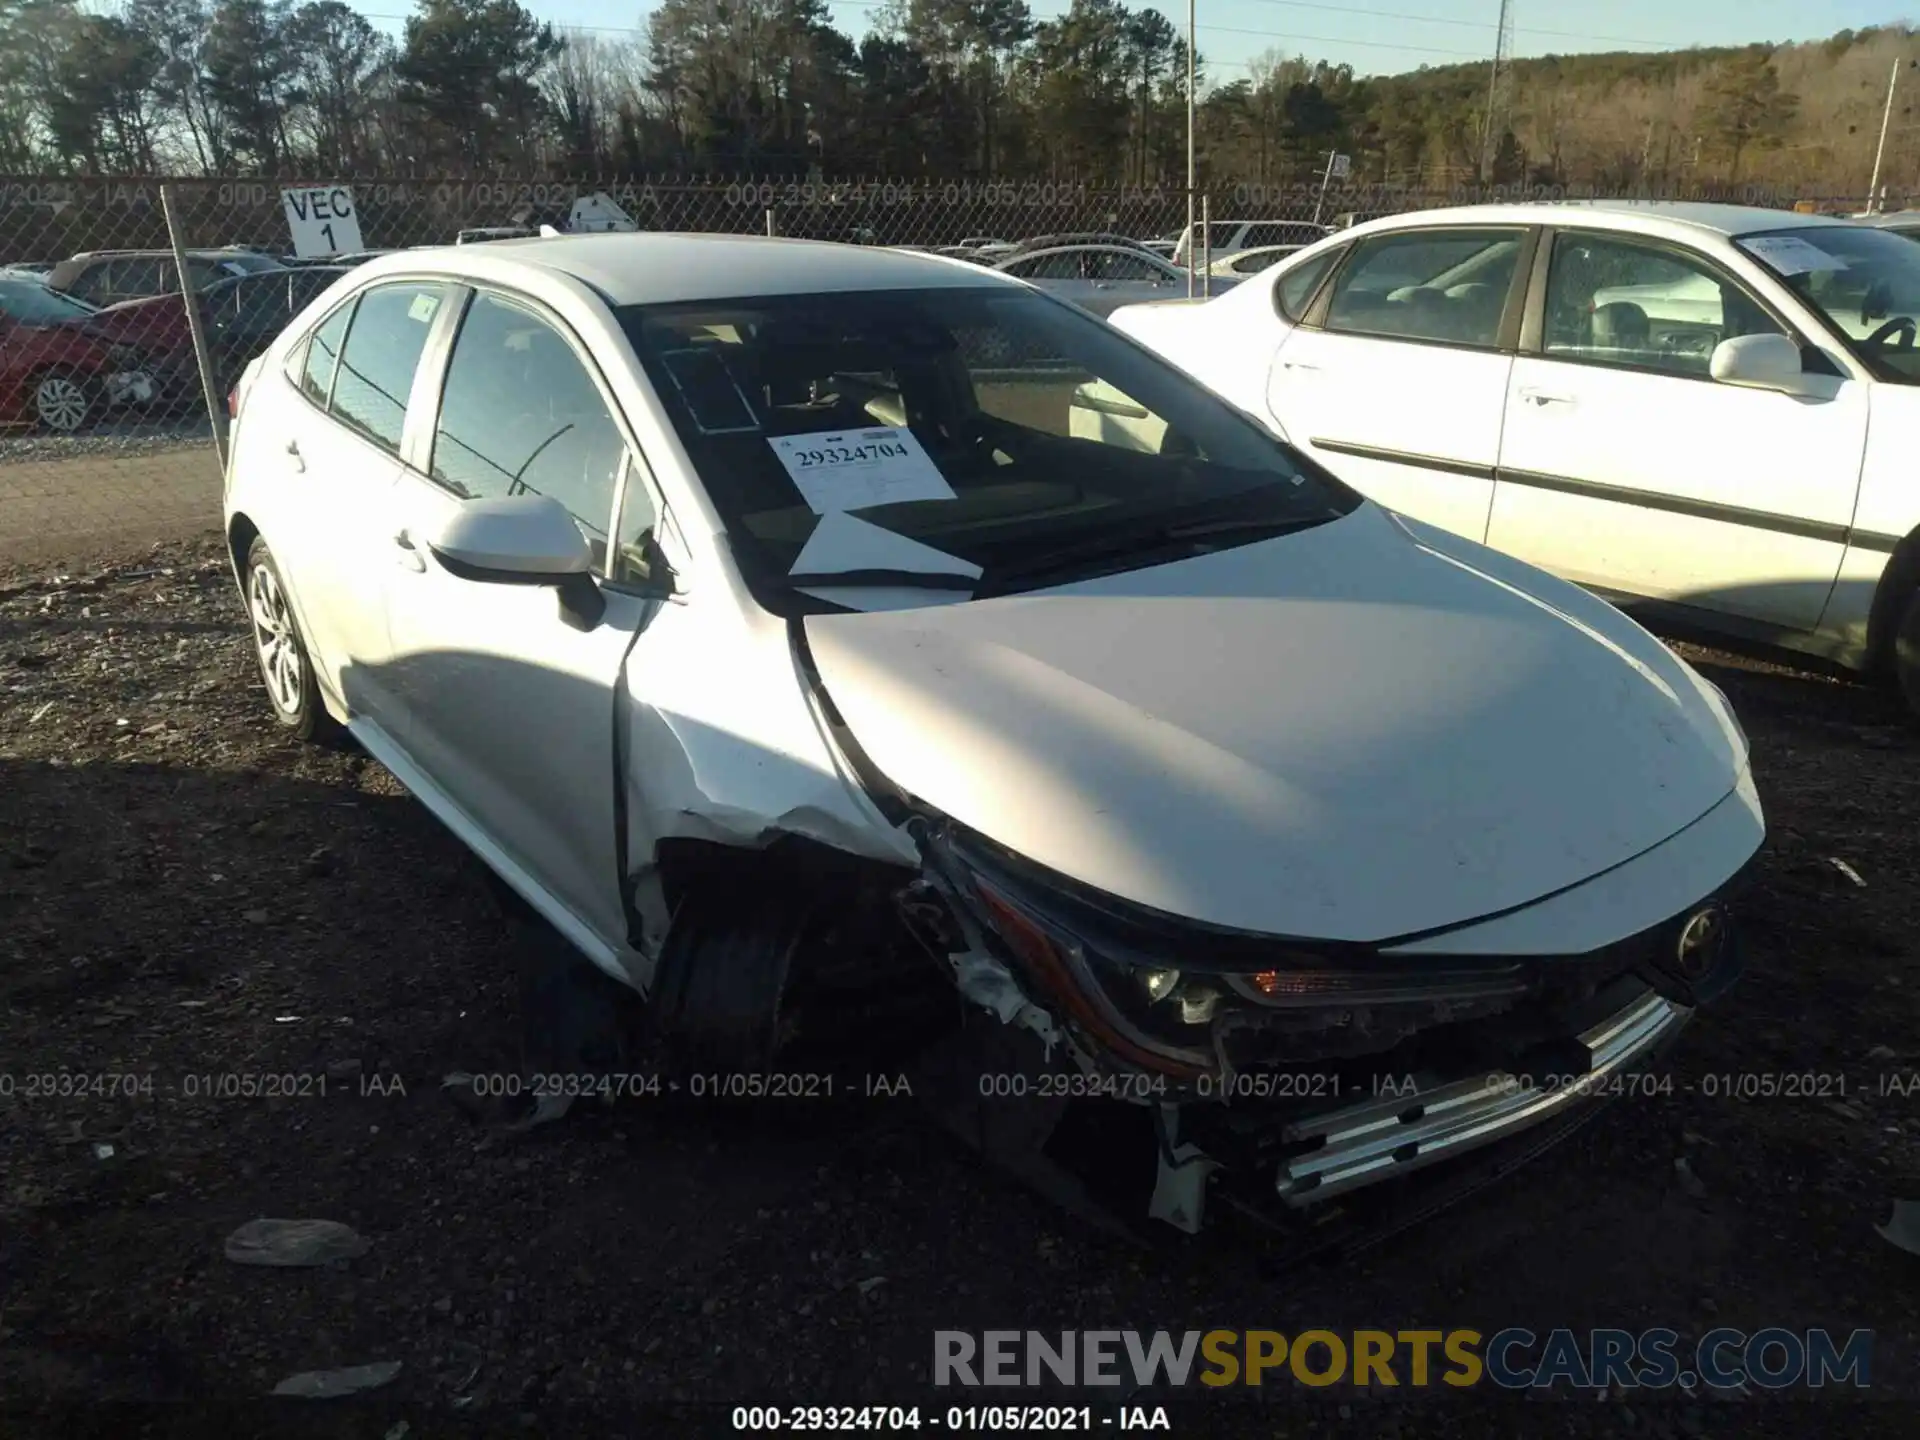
1906, 654
285, 667
65, 400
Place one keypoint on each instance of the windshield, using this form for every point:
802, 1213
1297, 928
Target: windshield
1864, 282
957, 431
31, 303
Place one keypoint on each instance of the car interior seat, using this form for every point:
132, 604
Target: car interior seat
1621, 325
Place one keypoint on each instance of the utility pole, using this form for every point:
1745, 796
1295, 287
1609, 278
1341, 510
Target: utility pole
1499, 91
1886, 118
1193, 240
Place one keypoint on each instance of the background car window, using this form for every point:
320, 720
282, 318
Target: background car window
1440, 285
520, 416
383, 348
90, 285
137, 277
262, 303
204, 273
1061, 265
1109, 265
1281, 233
323, 355
1622, 302
1295, 288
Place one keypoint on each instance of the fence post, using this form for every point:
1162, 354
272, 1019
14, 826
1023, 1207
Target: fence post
196, 326
772, 228
1206, 252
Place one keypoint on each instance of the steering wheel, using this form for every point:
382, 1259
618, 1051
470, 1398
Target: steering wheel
1901, 325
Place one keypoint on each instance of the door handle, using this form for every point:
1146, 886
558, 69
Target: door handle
1545, 397
410, 557
293, 454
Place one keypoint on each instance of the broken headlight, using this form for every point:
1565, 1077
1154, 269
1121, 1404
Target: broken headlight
1163, 993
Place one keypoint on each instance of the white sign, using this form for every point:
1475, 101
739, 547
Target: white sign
1790, 255
1342, 166
597, 214
323, 220
842, 542
855, 469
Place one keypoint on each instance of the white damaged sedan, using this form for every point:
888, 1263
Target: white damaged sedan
756, 610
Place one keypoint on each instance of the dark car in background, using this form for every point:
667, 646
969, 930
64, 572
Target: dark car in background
107, 277
54, 371
242, 314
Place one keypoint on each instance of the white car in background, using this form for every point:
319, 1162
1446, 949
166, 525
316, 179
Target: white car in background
1098, 278
1222, 238
1243, 263
1709, 411
1900, 222
789, 657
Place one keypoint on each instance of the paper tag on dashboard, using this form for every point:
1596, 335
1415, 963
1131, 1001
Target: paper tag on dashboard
1790, 255
857, 469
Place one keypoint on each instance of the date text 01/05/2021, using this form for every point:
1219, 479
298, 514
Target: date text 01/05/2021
1043, 1418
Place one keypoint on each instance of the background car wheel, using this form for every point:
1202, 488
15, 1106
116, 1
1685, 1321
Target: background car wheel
1906, 654
285, 667
65, 400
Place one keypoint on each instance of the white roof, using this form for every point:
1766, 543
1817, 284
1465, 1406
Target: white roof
1673, 218
656, 268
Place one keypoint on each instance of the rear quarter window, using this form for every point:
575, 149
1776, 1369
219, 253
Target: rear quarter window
1293, 292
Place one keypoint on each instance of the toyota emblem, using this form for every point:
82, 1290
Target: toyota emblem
1701, 941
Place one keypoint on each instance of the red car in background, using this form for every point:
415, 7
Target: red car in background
53, 372
242, 314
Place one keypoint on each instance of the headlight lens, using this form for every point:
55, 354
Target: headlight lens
1163, 1017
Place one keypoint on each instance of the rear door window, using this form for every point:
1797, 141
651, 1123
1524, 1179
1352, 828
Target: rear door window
1448, 286
383, 349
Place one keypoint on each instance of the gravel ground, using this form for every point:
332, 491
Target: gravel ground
184, 893
128, 433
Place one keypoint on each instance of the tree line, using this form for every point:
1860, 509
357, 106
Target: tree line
943, 89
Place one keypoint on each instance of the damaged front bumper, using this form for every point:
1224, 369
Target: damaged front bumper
1357, 1145
1332, 1078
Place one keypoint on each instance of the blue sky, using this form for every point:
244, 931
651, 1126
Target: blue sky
1383, 36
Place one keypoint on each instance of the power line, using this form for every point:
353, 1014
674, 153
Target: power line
1329, 40
1463, 24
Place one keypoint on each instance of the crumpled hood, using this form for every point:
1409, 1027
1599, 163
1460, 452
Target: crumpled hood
1358, 732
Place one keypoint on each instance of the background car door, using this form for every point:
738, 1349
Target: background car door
509, 712
340, 450
1625, 466
1397, 380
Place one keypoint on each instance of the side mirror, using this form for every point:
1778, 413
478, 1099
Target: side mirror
523, 540
1761, 362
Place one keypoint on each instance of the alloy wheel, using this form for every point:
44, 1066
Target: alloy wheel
61, 402
282, 664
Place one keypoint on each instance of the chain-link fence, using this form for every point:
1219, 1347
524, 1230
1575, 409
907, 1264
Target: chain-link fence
107, 438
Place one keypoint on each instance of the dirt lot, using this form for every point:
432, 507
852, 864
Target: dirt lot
184, 894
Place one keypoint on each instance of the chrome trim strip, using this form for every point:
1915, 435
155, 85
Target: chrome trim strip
1371, 1141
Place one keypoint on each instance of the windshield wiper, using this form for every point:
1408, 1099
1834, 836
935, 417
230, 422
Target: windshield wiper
914, 579
1140, 548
